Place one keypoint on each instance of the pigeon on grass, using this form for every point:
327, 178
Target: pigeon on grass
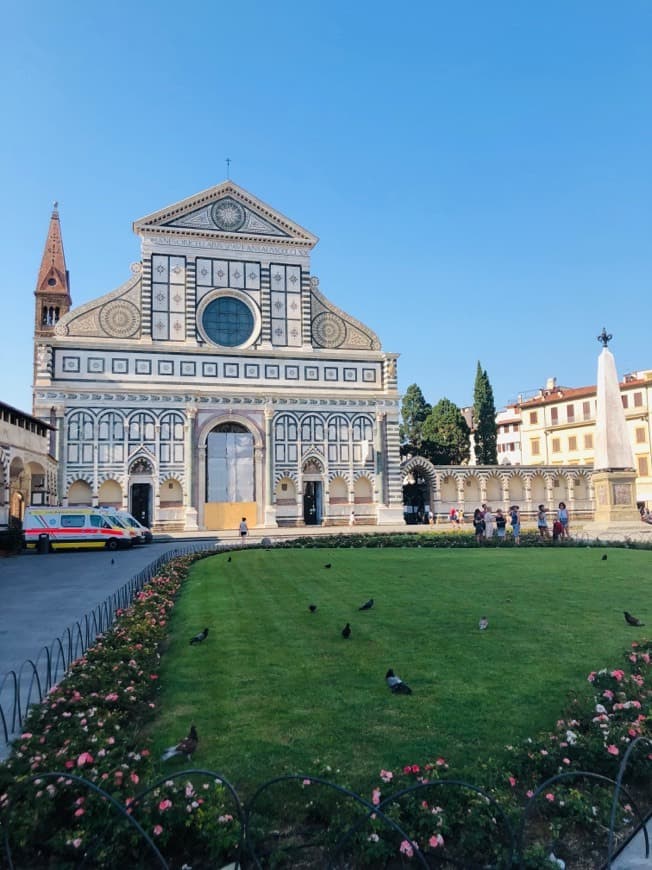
185, 747
312, 608
632, 620
346, 631
604, 557
198, 638
396, 684
328, 565
367, 605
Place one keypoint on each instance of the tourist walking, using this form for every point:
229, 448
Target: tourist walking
562, 516
243, 530
515, 520
542, 522
352, 518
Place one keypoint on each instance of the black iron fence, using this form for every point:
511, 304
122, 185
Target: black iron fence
31, 682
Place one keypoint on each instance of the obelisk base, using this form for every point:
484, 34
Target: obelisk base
615, 497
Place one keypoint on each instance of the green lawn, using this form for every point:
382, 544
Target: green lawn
274, 687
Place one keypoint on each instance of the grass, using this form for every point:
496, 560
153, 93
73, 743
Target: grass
274, 687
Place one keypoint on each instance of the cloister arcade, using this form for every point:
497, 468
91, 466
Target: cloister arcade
439, 488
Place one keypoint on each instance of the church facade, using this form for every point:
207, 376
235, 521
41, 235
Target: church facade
218, 382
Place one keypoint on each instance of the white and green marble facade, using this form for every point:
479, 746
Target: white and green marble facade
137, 382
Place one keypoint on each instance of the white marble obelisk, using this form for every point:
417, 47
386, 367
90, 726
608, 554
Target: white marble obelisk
614, 477
613, 450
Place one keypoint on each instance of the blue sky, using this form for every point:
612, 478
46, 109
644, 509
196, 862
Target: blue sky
479, 174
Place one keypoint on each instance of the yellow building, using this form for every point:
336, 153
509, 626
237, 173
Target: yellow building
558, 427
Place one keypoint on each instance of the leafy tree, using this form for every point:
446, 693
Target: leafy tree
484, 419
414, 411
446, 435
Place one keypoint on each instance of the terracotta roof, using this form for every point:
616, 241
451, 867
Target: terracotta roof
559, 394
53, 275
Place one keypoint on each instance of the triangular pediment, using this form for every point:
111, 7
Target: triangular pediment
225, 211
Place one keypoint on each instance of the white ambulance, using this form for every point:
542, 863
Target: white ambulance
58, 528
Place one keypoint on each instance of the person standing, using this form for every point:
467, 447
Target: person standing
352, 518
562, 516
501, 522
542, 522
478, 525
489, 523
243, 530
515, 520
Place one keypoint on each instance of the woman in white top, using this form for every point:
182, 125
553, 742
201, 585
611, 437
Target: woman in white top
489, 525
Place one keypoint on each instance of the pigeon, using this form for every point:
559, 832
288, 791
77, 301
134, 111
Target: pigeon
328, 565
229, 559
367, 605
632, 620
185, 747
346, 631
396, 684
604, 558
113, 561
198, 638
312, 608
484, 623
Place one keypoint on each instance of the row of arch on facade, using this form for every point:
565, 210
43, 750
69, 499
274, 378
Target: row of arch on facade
315, 497
23, 481
118, 435
440, 488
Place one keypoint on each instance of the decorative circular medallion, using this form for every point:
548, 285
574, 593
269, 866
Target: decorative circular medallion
119, 319
328, 329
228, 215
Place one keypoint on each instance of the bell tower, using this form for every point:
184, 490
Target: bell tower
52, 297
53, 284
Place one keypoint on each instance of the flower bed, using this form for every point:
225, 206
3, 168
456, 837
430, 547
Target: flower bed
75, 788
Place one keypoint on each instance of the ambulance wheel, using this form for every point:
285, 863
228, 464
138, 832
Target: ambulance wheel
112, 544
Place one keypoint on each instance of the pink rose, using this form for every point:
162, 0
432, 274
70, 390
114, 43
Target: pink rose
406, 848
158, 830
436, 840
165, 805
613, 750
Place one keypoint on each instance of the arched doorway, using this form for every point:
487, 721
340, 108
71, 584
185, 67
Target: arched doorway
230, 476
141, 475
313, 493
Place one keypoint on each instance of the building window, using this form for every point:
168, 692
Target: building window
625, 401
570, 413
554, 416
588, 442
572, 443
638, 400
228, 321
535, 446
586, 410
640, 435
556, 445
643, 468
534, 417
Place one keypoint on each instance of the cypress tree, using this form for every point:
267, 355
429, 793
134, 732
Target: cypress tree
484, 420
414, 410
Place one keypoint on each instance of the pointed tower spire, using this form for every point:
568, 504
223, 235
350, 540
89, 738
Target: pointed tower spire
53, 282
53, 275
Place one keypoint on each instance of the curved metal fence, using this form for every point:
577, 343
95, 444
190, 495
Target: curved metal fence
31, 682
258, 847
